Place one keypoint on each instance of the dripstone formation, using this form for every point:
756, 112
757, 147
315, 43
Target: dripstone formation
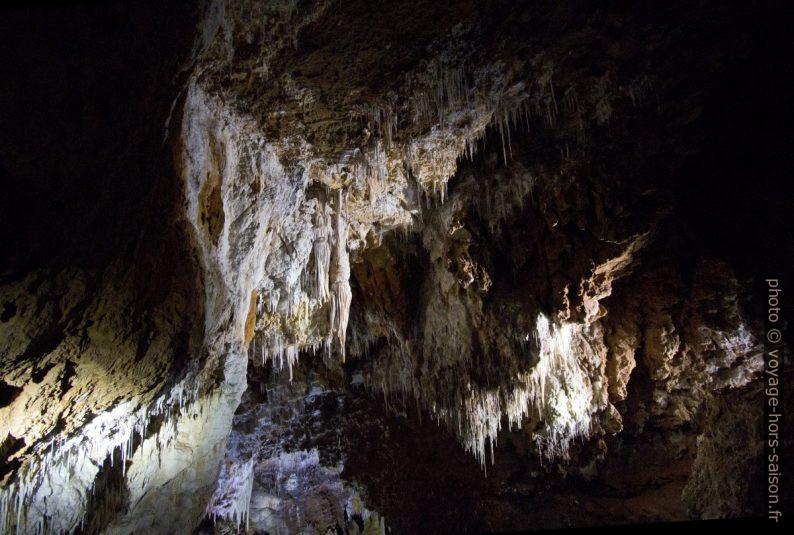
403, 267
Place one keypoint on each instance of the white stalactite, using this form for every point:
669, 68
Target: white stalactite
322, 252
341, 295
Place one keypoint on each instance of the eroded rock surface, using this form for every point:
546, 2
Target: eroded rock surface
424, 267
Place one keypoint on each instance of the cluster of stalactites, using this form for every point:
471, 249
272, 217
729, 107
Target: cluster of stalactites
446, 90
278, 349
67, 462
557, 390
370, 169
442, 95
326, 280
234, 504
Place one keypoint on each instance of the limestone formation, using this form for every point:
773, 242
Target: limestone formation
403, 267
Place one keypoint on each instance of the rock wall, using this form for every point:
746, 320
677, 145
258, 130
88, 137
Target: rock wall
119, 394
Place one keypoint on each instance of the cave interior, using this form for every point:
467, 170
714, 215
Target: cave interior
360, 267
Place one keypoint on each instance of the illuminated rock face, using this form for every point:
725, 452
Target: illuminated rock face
441, 237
